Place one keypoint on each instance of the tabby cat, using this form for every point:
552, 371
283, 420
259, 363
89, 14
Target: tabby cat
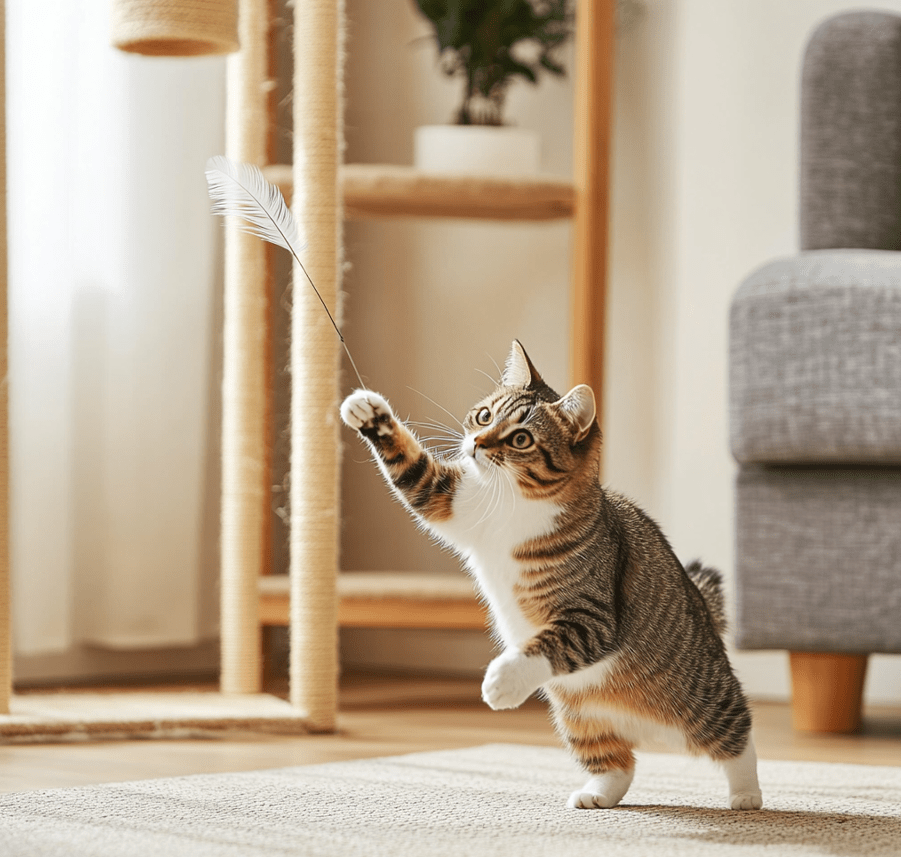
586, 597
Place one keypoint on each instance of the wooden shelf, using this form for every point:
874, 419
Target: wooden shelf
381, 599
384, 190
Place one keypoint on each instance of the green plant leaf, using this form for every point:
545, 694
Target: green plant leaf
475, 40
551, 66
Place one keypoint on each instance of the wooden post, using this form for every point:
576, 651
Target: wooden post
595, 30
827, 691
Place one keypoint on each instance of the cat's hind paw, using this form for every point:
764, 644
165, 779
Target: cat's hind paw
746, 800
589, 800
744, 787
365, 411
603, 791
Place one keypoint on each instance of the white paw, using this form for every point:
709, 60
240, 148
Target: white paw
362, 409
746, 800
590, 800
741, 772
512, 677
603, 791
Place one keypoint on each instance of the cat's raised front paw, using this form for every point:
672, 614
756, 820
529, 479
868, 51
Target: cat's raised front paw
512, 677
364, 411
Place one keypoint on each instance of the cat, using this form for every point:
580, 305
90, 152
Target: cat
586, 597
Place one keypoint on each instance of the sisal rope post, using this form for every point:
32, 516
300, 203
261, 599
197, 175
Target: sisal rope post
245, 380
315, 362
175, 27
5, 625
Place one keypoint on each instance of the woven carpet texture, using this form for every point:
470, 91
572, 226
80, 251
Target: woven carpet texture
496, 800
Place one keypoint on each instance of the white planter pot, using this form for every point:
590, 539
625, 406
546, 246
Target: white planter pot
476, 150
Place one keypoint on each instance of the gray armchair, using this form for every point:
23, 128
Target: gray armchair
815, 388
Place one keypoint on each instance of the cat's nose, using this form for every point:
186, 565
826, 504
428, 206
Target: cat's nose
478, 442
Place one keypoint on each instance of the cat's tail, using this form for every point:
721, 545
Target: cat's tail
710, 584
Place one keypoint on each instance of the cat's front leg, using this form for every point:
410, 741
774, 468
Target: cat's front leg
512, 677
558, 649
425, 484
395, 446
368, 413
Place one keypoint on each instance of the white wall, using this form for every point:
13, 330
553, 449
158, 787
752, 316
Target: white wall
731, 167
704, 189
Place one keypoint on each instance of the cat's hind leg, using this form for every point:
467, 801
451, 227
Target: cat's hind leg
741, 772
603, 791
611, 763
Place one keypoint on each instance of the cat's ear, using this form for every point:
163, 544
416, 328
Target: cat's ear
578, 406
519, 371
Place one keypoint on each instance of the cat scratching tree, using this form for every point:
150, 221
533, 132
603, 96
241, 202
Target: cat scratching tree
194, 27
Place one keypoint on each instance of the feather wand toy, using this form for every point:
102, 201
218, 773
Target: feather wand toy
240, 190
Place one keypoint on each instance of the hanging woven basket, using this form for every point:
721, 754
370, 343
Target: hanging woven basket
175, 28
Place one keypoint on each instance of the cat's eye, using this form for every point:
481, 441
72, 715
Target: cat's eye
520, 440
483, 417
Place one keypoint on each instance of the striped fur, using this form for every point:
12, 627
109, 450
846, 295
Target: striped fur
588, 601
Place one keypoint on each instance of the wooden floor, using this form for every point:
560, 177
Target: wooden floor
389, 715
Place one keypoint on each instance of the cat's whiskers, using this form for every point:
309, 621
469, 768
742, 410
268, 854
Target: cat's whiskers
498, 483
436, 426
472, 504
430, 399
513, 496
444, 444
495, 498
433, 447
511, 504
500, 373
489, 377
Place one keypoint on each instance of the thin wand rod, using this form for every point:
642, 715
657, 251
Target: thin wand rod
331, 319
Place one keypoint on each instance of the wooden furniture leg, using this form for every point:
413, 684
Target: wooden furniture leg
827, 691
593, 95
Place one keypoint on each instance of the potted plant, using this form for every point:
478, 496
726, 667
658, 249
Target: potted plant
489, 44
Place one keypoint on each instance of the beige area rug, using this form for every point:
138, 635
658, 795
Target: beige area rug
495, 800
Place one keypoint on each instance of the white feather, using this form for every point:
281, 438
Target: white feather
240, 190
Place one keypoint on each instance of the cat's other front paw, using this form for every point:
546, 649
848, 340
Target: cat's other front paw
512, 677
365, 411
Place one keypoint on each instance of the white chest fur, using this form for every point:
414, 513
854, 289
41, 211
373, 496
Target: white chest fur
491, 519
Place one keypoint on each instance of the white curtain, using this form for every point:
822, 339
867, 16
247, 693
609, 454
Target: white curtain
113, 273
